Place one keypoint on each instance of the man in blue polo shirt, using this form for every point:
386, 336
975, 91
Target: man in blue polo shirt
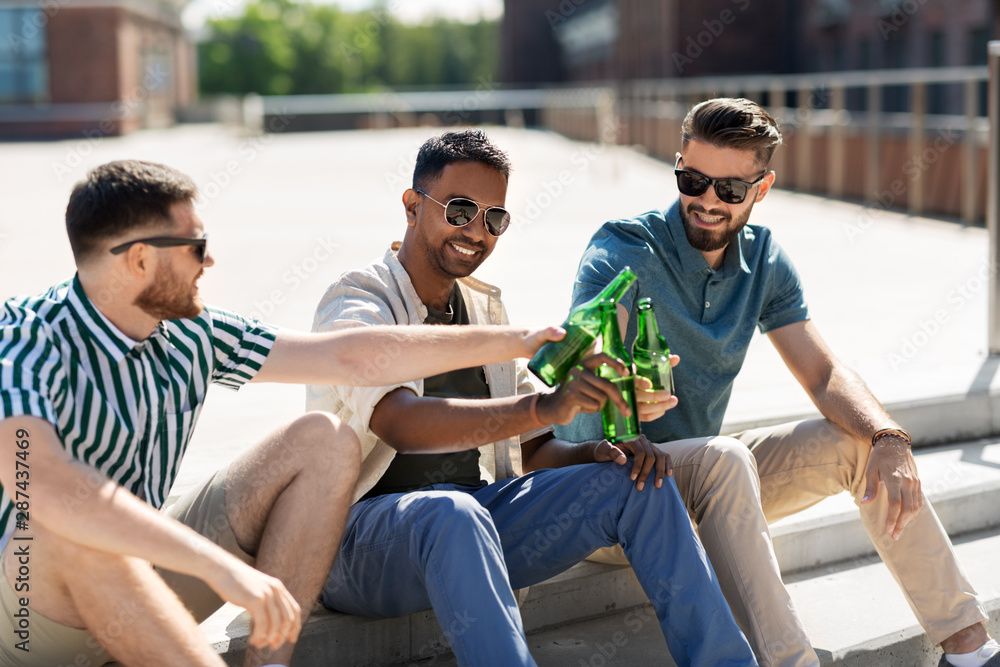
713, 279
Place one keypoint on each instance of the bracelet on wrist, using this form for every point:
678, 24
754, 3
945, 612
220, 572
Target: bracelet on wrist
882, 432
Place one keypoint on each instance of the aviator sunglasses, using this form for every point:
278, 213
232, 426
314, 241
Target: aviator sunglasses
460, 211
200, 245
728, 190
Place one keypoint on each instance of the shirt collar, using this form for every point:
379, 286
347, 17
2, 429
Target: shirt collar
692, 261
106, 335
740, 260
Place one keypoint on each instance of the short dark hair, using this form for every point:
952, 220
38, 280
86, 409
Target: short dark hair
118, 197
465, 145
729, 122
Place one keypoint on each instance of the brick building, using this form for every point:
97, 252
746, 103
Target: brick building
602, 40
528, 49
93, 67
860, 34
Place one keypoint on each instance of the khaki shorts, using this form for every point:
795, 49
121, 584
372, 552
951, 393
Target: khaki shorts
50, 644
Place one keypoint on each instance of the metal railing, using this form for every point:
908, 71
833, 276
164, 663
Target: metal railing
487, 103
993, 204
879, 113
911, 139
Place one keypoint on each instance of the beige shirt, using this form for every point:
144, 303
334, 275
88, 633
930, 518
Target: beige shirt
382, 294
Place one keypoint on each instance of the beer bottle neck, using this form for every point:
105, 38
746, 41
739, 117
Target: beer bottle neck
616, 288
647, 330
612, 339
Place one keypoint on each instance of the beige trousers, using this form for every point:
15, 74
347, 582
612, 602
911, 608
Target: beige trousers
734, 486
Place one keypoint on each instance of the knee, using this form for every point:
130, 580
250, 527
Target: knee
325, 442
728, 457
441, 513
728, 486
450, 530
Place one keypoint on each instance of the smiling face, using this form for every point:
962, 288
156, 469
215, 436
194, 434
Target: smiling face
435, 248
173, 292
709, 223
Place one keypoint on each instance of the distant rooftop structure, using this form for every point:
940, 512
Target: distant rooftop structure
92, 67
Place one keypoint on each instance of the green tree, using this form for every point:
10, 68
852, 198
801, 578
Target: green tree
280, 47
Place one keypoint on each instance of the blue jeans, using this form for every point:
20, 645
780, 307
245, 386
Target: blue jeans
461, 550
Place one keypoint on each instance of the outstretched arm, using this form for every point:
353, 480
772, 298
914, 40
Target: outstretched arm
113, 520
843, 398
383, 355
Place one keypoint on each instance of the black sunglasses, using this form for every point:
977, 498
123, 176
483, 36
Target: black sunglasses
200, 245
728, 190
460, 211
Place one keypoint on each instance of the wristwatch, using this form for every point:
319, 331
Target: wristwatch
882, 432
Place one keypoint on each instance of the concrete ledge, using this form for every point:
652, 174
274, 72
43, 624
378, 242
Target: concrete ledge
585, 591
932, 421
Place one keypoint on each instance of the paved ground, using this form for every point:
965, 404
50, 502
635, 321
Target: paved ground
901, 299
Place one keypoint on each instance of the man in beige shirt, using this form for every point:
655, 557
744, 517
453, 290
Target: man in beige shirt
444, 517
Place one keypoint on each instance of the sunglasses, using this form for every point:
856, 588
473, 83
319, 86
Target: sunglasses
200, 245
728, 190
460, 211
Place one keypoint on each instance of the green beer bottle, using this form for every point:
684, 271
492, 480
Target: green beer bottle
650, 350
554, 359
617, 427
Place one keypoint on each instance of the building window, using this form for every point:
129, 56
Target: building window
978, 40
865, 54
838, 54
897, 52
937, 92
979, 55
897, 98
23, 67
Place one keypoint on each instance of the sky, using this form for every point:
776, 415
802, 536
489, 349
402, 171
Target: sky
405, 10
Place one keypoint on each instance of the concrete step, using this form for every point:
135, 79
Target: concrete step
854, 613
962, 482
857, 617
824, 552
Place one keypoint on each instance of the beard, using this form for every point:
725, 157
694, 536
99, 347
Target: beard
168, 298
709, 240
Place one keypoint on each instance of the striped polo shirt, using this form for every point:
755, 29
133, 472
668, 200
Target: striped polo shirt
124, 407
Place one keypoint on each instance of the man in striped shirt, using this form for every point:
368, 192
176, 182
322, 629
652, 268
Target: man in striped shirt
102, 379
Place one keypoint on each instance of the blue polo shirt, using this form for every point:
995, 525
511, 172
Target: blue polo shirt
707, 316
